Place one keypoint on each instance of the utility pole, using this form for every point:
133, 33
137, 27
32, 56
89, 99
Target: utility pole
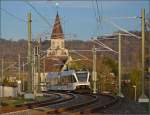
2, 70
119, 66
34, 72
143, 97
19, 69
23, 76
29, 54
2, 79
94, 71
39, 68
19, 76
44, 65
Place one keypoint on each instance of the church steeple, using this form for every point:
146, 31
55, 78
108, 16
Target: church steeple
57, 40
57, 32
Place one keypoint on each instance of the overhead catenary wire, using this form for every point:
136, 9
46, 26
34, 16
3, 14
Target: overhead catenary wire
98, 11
42, 17
81, 55
97, 15
115, 25
97, 49
103, 45
120, 28
127, 17
12, 15
12, 65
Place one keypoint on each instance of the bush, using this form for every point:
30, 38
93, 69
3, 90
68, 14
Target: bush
4, 104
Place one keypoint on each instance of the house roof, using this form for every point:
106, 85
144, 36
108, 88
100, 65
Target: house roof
54, 64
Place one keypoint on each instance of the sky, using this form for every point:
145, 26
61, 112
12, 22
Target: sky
78, 18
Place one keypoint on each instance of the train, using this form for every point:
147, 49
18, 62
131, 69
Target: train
69, 80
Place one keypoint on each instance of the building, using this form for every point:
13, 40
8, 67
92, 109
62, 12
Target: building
57, 47
57, 56
8, 90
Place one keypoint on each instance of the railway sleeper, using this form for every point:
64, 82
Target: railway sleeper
92, 110
69, 109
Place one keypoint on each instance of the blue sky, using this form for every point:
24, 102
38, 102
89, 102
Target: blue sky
78, 17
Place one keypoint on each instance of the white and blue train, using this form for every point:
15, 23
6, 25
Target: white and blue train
68, 80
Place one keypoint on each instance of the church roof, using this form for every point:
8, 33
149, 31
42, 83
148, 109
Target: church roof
57, 32
54, 64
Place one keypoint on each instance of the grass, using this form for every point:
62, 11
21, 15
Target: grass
20, 100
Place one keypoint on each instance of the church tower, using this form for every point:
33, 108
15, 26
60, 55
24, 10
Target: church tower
57, 47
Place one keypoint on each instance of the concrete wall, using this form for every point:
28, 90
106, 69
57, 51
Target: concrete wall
7, 91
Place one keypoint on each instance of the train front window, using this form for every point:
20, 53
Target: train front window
82, 77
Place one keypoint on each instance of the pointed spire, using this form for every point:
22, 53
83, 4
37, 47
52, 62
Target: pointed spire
57, 32
57, 14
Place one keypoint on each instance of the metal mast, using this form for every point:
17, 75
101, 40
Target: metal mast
29, 54
94, 70
2, 76
19, 75
34, 71
143, 97
119, 66
23, 78
39, 69
2, 70
19, 68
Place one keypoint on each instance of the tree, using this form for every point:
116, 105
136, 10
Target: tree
112, 64
135, 79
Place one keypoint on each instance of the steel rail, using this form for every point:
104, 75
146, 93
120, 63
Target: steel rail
76, 106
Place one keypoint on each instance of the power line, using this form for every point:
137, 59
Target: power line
42, 17
98, 14
98, 11
73, 51
122, 29
104, 45
127, 17
95, 14
14, 16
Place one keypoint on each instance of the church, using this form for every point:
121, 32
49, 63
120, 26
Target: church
57, 42
57, 55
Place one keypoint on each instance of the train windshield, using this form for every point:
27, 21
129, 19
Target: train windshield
82, 77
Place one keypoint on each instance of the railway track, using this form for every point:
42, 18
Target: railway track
76, 103
83, 103
61, 97
102, 103
54, 98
